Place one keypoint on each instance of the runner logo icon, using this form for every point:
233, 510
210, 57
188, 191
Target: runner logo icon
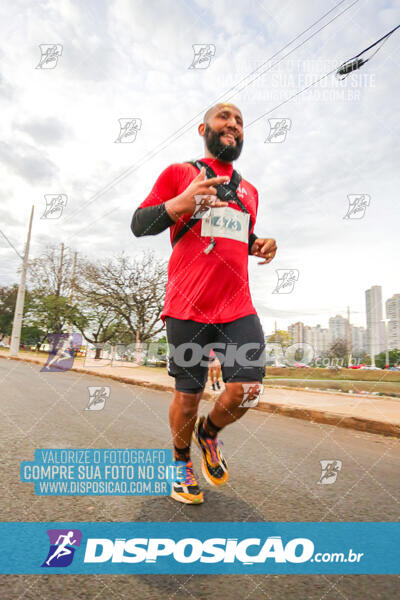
61, 551
251, 394
329, 471
97, 397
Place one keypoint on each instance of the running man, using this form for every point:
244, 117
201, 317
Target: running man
214, 371
208, 303
62, 549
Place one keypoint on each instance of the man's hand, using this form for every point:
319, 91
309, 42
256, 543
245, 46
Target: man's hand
199, 194
264, 248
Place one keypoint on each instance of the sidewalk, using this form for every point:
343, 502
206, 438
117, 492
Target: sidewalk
362, 412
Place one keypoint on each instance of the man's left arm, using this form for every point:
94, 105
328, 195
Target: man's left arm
262, 247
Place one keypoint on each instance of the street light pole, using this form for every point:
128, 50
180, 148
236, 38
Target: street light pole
349, 341
19, 305
386, 321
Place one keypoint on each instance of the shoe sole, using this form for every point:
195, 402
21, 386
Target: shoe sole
203, 467
179, 498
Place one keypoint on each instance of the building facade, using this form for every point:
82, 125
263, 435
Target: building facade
375, 325
393, 314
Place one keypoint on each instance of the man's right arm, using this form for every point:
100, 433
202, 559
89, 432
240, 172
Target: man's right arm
162, 208
150, 220
151, 217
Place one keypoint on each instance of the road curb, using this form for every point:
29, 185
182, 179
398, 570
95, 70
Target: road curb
314, 391
317, 416
330, 418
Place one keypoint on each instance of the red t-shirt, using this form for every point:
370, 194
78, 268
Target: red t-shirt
208, 288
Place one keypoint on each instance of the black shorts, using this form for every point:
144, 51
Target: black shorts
239, 346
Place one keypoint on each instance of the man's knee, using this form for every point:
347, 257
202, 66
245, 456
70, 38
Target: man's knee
244, 394
187, 402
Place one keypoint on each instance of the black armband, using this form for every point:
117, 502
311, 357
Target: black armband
150, 220
252, 239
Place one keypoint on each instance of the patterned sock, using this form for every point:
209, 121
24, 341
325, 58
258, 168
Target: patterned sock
209, 429
182, 454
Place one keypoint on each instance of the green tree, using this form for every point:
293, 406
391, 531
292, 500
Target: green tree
8, 298
394, 359
280, 336
50, 313
131, 289
98, 325
31, 335
338, 349
50, 277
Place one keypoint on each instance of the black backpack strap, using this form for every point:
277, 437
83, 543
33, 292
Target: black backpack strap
225, 192
188, 225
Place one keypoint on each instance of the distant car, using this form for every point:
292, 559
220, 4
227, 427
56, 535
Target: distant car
301, 366
370, 368
356, 366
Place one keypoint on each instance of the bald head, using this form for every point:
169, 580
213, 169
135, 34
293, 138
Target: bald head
220, 106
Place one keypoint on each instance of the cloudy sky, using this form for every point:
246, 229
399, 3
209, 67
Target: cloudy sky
131, 59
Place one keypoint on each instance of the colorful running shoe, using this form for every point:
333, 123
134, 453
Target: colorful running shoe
213, 466
187, 491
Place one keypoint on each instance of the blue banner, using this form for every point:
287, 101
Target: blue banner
211, 548
102, 472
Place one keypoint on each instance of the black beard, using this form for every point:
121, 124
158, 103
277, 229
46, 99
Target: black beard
224, 152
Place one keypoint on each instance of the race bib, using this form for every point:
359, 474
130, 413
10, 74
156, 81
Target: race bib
226, 222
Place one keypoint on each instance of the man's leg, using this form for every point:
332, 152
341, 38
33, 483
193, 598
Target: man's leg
243, 381
190, 380
182, 417
227, 407
212, 377
218, 376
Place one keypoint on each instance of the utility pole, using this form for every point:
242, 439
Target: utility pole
71, 295
19, 305
349, 345
387, 362
59, 277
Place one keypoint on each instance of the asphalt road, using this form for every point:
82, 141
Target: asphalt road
274, 467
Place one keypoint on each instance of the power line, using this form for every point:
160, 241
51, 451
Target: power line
291, 97
10, 244
157, 149
355, 63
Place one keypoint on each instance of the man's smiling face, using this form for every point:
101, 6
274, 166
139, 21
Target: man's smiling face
223, 132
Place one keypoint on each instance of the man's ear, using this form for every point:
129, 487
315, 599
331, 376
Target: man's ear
201, 128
